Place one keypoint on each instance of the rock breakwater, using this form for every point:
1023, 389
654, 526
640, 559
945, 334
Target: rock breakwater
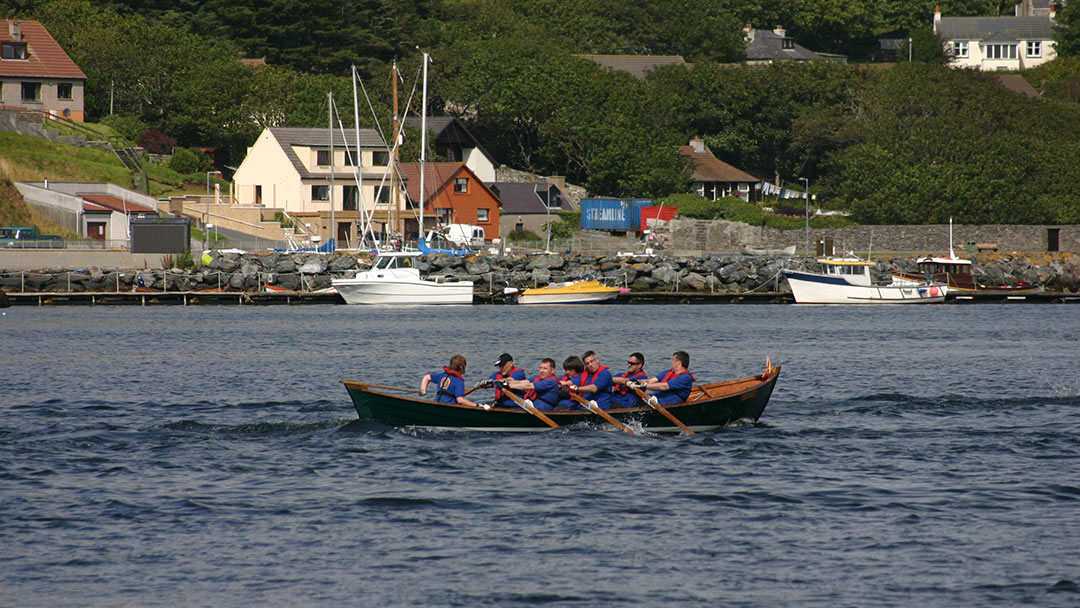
715, 273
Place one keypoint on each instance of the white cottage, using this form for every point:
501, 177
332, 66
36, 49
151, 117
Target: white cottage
997, 43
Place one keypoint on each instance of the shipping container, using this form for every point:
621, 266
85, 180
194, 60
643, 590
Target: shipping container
617, 214
661, 212
160, 234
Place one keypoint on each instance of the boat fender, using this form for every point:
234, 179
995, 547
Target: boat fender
934, 291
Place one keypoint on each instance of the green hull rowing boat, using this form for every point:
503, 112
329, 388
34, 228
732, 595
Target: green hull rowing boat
709, 407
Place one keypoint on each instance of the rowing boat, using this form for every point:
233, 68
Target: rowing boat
709, 407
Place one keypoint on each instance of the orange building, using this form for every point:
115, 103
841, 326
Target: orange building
453, 195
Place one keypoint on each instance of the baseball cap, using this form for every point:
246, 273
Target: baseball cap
503, 359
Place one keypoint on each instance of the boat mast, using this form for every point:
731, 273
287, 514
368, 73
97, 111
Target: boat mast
359, 166
951, 253
330, 115
395, 202
423, 147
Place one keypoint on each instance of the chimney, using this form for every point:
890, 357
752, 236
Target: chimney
779, 31
1053, 11
15, 29
749, 32
937, 17
697, 145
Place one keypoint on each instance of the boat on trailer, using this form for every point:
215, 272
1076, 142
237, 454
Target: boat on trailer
709, 407
847, 280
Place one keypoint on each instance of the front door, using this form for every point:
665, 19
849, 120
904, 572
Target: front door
1052, 235
95, 230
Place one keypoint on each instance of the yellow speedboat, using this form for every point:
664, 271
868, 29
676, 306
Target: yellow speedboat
570, 292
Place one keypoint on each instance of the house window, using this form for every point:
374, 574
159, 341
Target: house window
31, 91
320, 193
63, 90
960, 48
482, 215
382, 195
787, 44
1034, 48
1000, 51
461, 185
350, 198
322, 158
445, 216
350, 158
380, 158
14, 50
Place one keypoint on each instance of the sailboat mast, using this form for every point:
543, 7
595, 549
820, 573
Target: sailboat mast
395, 203
423, 145
330, 131
359, 166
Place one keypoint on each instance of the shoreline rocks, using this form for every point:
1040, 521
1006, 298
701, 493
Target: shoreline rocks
715, 273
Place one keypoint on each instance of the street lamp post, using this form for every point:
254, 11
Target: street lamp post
806, 197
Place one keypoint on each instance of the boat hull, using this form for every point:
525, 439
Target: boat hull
711, 406
815, 288
965, 285
403, 291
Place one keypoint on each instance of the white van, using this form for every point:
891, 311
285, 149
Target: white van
461, 235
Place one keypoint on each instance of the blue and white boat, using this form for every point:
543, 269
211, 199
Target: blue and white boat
847, 280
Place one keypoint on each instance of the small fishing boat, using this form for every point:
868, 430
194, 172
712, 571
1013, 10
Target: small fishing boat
394, 279
569, 292
956, 273
847, 280
709, 407
755, 250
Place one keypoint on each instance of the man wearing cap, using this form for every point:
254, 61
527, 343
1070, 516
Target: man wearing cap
507, 371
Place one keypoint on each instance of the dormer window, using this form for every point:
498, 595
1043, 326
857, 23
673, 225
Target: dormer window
13, 50
322, 158
787, 44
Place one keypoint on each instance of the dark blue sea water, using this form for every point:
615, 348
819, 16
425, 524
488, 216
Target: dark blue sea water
208, 456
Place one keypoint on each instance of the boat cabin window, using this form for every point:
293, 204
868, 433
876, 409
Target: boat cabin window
391, 262
838, 269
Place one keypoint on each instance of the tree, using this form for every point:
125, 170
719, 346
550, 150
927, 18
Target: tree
924, 46
1067, 32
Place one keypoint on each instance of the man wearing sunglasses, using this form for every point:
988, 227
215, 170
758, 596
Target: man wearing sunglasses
635, 371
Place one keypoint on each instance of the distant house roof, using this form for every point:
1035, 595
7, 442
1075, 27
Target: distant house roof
253, 61
436, 176
708, 168
636, 65
994, 29
103, 202
767, 45
450, 132
45, 58
1016, 82
320, 138
525, 198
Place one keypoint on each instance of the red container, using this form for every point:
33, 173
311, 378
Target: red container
665, 213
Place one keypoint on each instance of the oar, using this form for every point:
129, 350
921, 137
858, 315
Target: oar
594, 408
528, 407
651, 400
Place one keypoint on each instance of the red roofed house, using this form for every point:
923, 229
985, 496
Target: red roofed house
453, 194
713, 178
98, 210
36, 74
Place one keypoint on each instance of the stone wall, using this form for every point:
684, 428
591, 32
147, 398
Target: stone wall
722, 236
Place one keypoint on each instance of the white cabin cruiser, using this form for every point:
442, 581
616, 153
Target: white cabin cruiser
395, 279
847, 280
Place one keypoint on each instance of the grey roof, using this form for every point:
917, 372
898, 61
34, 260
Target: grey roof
767, 44
450, 130
983, 28
316, 138
636, 65
521, 199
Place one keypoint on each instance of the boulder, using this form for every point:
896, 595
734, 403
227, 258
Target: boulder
314, 266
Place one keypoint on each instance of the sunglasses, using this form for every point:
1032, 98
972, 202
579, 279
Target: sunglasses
633, 363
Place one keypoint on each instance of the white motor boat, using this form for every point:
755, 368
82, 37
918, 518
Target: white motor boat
394, 279
847, 281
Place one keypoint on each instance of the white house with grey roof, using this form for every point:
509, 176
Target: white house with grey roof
997, 43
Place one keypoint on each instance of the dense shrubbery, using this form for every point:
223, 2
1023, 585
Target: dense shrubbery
128, 126
155, 141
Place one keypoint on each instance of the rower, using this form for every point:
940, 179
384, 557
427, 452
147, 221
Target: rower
675, 385
621, 396
450, 383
